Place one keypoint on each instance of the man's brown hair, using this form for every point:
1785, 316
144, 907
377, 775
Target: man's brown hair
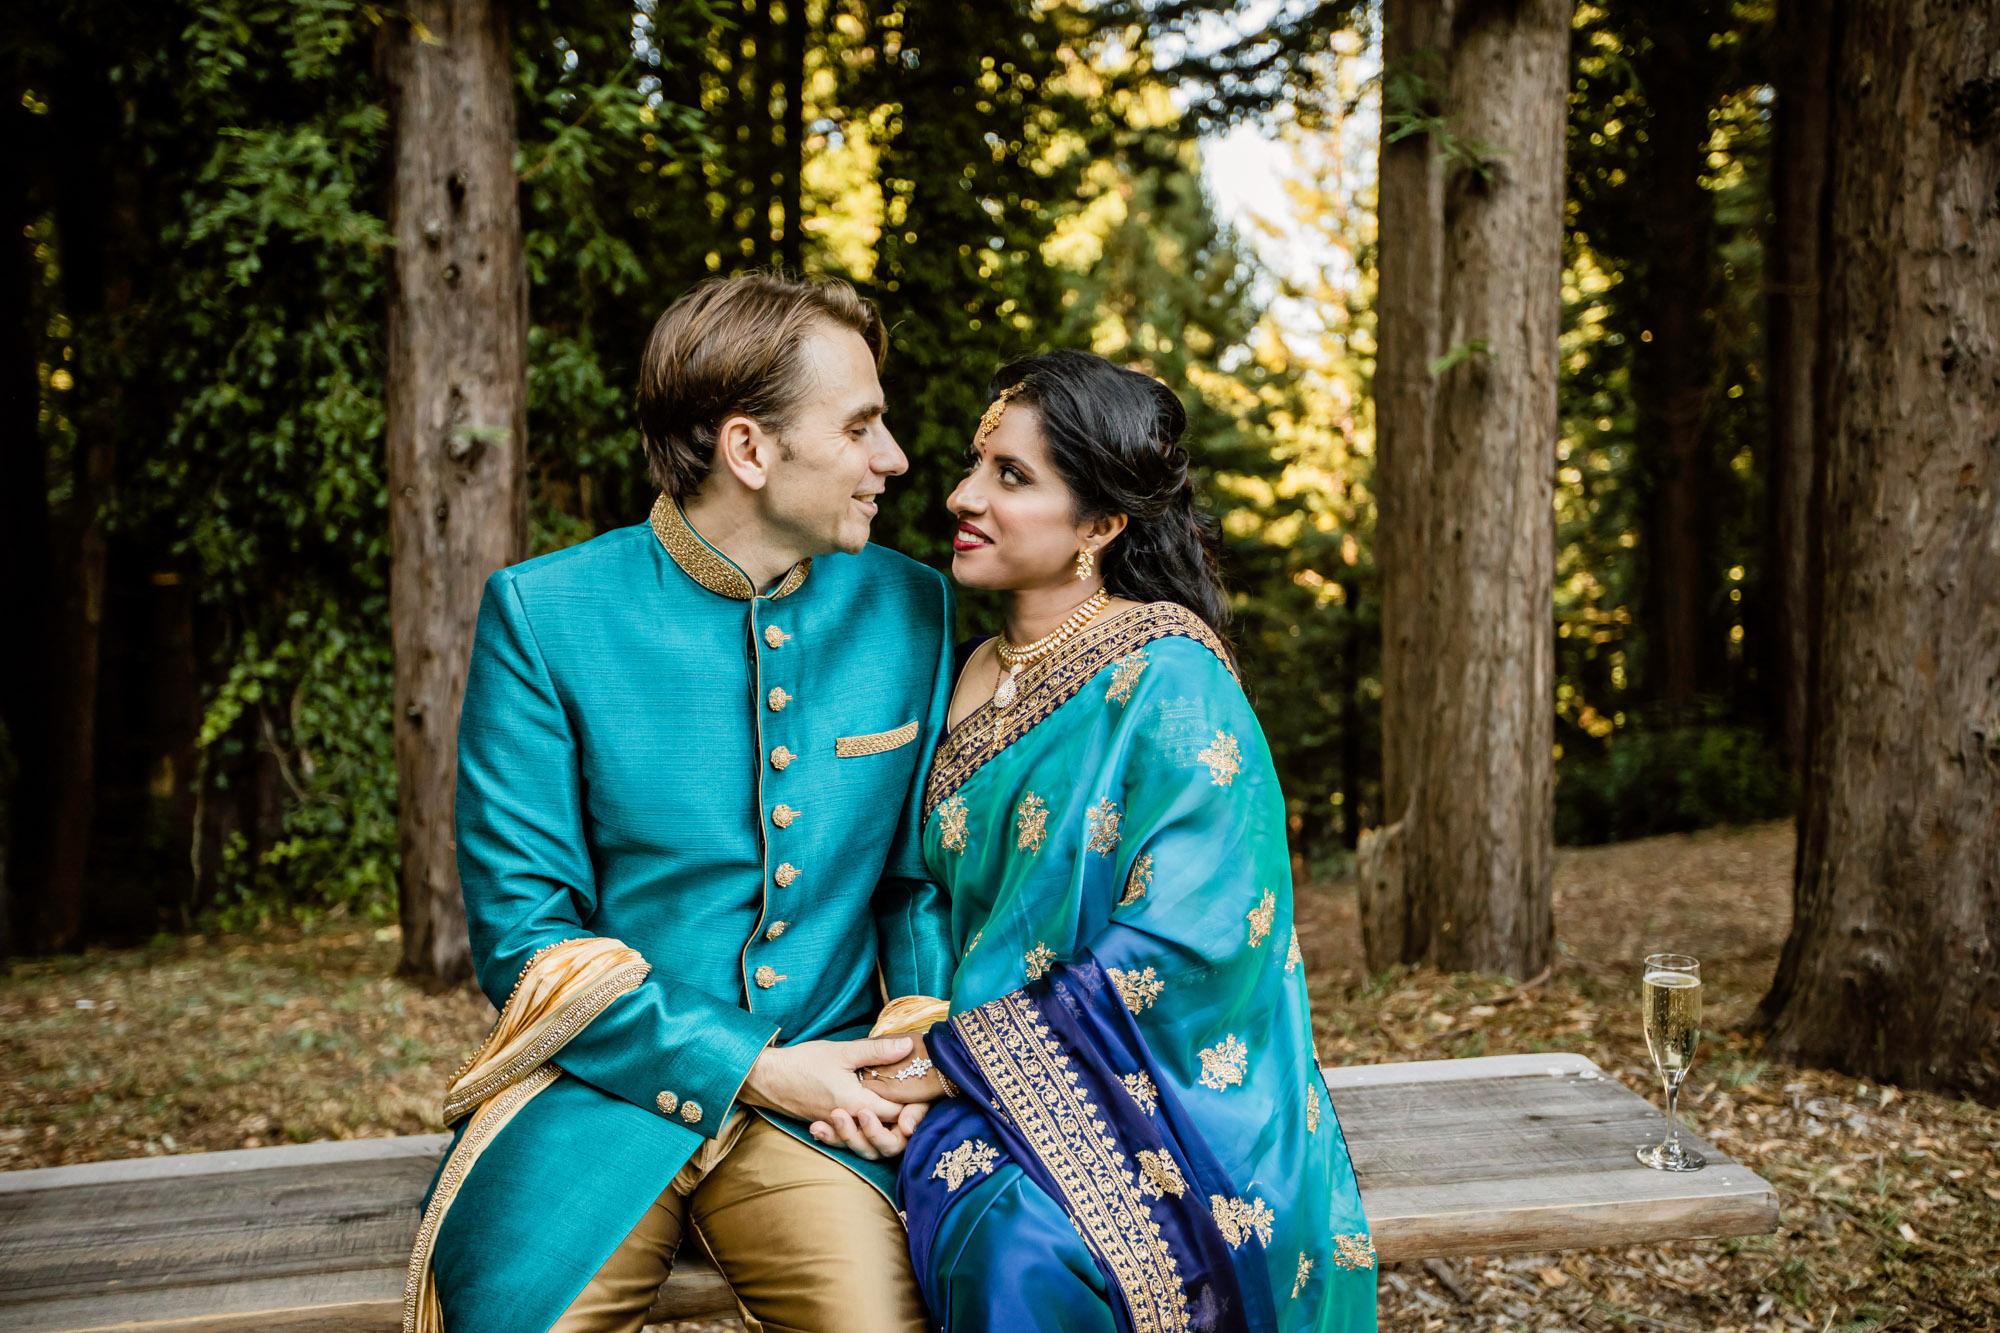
733, 346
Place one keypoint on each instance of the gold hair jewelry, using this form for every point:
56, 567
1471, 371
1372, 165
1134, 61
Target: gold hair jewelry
994, 411
1084, 560
1016, 658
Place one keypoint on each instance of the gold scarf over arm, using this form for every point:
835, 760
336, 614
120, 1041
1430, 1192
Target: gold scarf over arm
563, 988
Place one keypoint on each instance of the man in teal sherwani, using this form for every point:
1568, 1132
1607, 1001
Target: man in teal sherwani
690, 775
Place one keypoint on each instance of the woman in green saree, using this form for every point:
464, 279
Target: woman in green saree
1134, 1132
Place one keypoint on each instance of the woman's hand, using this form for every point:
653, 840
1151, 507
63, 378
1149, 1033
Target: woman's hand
911, 1089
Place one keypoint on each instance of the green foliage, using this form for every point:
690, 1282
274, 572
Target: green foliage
1671, 779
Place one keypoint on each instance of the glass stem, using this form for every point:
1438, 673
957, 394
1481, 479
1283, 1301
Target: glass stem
1673, 1116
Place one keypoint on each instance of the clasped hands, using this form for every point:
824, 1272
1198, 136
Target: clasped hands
844, 1089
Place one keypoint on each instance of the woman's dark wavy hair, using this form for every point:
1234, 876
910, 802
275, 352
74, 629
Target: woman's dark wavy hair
1114, 437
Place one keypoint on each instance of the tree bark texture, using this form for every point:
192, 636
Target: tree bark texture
1798, 189
1892, 969
1673, 371
1469, 306
457, 418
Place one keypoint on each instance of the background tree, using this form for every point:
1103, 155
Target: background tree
1800, 79
1890, 967
455, 414
1468, 312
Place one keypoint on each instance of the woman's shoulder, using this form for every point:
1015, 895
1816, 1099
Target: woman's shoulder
1171, 631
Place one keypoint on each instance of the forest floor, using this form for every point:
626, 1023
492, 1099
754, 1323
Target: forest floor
1891, 1199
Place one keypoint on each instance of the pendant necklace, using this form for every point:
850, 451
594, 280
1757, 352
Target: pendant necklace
1014, 659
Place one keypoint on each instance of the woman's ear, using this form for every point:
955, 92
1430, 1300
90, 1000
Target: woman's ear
745, 450
1101, 532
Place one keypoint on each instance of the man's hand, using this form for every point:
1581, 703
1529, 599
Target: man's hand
816, 1081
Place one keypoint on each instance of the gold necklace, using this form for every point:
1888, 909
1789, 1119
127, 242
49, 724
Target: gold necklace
1016, 658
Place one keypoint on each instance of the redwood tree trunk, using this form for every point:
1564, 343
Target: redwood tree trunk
797, 34
457, 418
1798, 189
1892, 969
1469, 308
1673, 373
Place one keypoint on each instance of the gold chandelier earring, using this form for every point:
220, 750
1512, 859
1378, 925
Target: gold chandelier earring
1085, 559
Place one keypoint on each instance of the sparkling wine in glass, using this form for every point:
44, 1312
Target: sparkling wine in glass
1670, 997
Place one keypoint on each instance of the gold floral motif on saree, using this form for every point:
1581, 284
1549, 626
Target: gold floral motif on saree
1305, 1274
1036, 1086
1240, 1219
1159, 1176
1139, 880
977, 936
1223, 1064
1102, 822
1125, 673
1137, 989
987, 731
951, 824
1260, 918
1224, 758
1354, 1251
1038, 960
1293, 955
1145, 1093
1312, 1106
1031, 823
970, 1158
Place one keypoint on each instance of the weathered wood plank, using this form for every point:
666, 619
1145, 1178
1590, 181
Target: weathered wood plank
1454, 1157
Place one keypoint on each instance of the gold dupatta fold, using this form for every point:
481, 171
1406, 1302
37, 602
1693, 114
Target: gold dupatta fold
563, 987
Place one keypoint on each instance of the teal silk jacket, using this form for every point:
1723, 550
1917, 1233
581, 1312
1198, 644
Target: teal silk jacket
731, 784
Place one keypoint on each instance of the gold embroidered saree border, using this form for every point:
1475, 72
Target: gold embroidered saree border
986, 731
700, 561
1032, 1080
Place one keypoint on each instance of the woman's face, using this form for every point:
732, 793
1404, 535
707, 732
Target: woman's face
1016, 520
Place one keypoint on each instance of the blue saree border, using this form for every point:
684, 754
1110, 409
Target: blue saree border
1058, 1073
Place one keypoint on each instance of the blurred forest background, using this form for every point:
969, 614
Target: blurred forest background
1621, 464
206, 270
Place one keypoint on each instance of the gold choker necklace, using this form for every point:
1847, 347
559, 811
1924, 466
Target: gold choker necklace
1016, 658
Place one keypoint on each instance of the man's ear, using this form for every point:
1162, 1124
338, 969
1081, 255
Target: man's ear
746, 450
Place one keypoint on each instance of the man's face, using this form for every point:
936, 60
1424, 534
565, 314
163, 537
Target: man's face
842, 455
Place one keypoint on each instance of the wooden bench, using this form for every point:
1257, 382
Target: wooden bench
1516, 1152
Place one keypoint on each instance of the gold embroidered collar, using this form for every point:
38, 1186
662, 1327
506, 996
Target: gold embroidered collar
707, 566
986, 731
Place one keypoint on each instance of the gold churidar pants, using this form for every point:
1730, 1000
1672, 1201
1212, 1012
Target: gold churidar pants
807, 1245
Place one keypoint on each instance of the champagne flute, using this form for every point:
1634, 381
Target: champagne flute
1670, 996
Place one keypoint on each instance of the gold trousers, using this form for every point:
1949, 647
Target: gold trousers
807, 1245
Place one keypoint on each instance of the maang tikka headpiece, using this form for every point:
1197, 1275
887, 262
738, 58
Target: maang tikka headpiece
995, 410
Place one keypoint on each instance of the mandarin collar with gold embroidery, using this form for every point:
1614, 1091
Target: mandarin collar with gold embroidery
708, 566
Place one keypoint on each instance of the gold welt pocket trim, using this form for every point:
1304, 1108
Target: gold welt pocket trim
881, 742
